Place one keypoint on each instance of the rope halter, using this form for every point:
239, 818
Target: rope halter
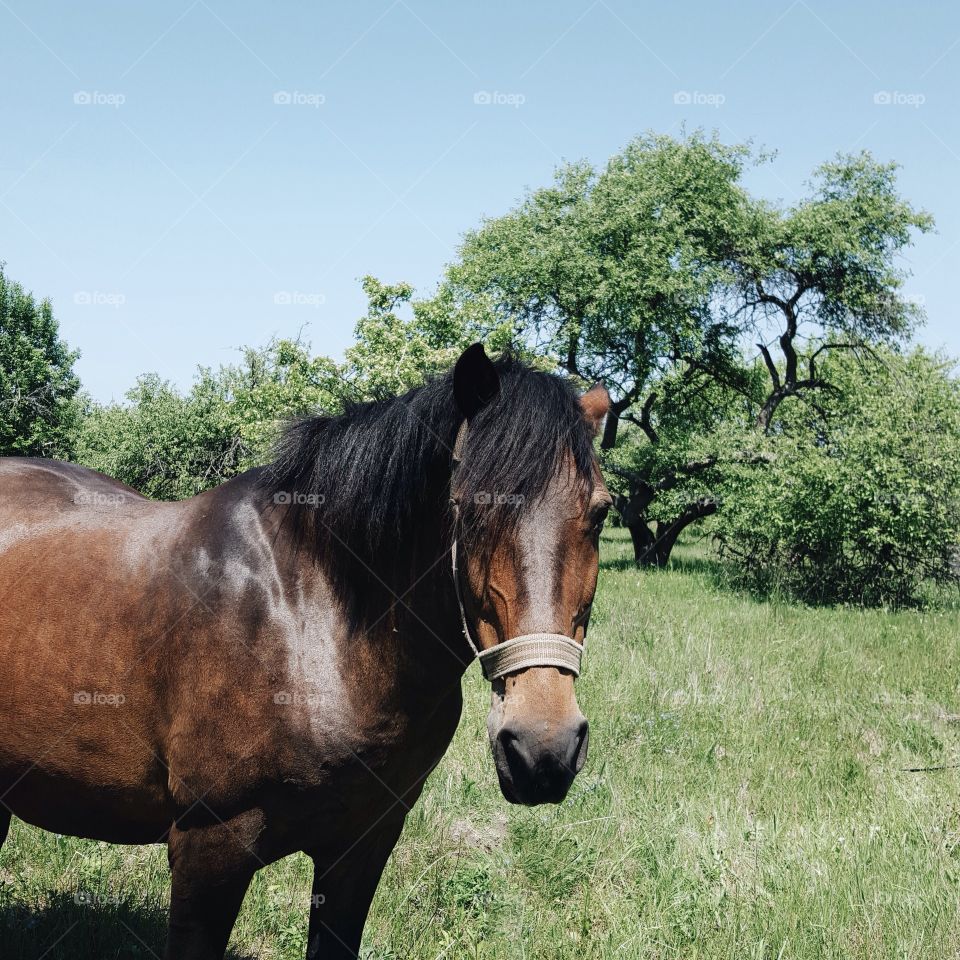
527, 650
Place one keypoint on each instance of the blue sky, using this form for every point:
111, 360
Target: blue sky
184, 178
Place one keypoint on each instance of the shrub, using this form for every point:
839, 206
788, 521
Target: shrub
859, 500
170, 445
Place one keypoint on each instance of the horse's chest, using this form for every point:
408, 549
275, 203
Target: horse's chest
361, 718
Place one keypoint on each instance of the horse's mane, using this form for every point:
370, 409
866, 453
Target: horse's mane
361, 485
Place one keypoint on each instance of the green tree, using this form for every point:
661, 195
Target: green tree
39, 404
397, 344
616, 275
824, 275
807, 281
402, 340
654, 273
664, 473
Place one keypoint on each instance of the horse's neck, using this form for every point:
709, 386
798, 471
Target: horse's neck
411, 626
424, 616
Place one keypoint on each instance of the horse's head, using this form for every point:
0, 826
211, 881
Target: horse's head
531, 503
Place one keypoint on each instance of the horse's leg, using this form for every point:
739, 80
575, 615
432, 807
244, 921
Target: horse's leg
211, 872
343, 888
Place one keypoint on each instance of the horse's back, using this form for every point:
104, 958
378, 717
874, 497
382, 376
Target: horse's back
27, 483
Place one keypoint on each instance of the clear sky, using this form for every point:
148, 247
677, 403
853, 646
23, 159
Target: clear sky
183, 178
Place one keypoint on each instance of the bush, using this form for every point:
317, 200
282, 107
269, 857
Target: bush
170, 445
860, 499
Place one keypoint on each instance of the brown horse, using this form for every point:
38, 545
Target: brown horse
274, 665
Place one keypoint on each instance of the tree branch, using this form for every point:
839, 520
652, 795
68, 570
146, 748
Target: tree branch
645, 423
771, 366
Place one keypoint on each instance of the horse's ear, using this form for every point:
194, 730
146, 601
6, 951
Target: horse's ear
475, 380
596, 405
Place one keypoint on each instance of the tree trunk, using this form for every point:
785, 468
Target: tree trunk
643, 541
612, 423
667, 538
653, 547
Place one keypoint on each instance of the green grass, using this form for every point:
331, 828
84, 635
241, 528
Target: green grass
748, 795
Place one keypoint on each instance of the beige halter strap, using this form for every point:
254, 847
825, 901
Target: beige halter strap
529, 650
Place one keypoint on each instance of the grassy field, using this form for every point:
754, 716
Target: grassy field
764, 781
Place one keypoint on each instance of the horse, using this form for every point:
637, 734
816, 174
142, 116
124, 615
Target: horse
275, 665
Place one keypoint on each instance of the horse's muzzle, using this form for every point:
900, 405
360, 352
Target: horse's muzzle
535, 770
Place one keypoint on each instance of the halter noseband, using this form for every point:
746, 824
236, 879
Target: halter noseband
528, 650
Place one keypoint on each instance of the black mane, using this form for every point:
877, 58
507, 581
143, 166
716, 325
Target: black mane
361, 486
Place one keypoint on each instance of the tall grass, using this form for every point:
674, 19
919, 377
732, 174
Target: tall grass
765, 781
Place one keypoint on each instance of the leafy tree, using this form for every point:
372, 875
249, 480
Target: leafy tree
653, 274
393, 352
615, 275
857, 499
664, 475
39, 404
823, 276
401, 341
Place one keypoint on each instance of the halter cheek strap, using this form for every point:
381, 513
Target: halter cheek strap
528, 650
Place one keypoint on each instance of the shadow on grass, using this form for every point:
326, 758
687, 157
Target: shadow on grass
696, 563
63, 928
694, 555
692, 558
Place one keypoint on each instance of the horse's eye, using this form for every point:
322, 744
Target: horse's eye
598, 515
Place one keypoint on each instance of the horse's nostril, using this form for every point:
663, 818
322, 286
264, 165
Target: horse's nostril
578, 748
514, 748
